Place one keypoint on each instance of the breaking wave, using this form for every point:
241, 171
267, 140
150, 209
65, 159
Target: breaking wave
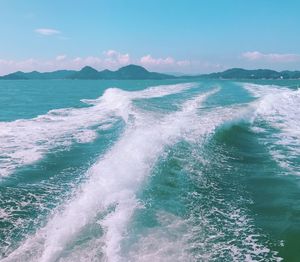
277, 115
24, 142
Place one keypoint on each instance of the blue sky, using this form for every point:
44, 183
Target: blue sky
190, 36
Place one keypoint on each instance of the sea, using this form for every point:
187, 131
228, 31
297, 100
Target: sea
150, 170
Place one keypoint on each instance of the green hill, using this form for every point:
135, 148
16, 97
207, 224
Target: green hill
126, 72
87, 72
135, 72
60, 74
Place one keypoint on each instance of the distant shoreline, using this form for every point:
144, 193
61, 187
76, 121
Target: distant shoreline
135, 72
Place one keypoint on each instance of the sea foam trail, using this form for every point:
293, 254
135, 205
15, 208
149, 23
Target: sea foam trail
25, 141
116, 177
279, 107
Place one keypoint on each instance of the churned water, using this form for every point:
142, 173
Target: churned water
149, 171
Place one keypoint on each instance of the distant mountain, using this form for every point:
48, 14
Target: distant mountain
60, 74
15, 76
126, 72
239, 73
87, 72
135, 72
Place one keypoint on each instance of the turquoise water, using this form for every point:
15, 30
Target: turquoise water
149, 170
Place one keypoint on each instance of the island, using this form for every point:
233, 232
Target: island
136, 72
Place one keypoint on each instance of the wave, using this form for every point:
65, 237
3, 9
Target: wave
108, 198
279, 107
198, 239
26, 141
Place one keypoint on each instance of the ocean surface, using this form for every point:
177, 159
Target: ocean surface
149, 170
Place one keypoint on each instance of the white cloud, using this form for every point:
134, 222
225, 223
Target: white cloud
60, 57
271, 57
183, 63
113, 57
80, 62
8, 66
148, 60
47, 31
110, 59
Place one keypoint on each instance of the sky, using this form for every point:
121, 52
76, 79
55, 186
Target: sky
185, 36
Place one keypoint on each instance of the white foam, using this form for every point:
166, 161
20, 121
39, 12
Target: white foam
25, 141
116, 177
167, 242
175, 241
200, 238
114, 180
279, 107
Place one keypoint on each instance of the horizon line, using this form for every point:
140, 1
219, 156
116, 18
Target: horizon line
161, 72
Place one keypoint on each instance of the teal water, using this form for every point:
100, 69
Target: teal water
149, 170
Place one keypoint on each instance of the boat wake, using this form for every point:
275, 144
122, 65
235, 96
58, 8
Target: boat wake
24, 142
277, 117
92, 225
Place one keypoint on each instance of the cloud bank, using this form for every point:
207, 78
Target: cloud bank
110, 59
148, 60
271, 57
